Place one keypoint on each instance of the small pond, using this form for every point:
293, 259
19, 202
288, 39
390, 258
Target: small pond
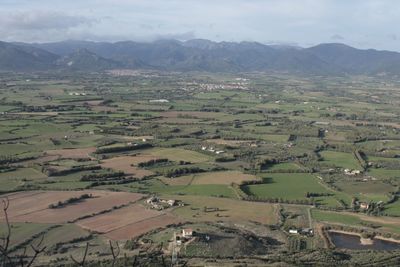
348, 241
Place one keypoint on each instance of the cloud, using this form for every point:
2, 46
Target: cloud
43, 20
282, 43
44, 25
305, 22
337, 37
393, 37
146, 27
177, 36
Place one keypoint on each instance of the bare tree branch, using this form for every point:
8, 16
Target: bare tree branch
83, 261
37, 250
6, 239
114, 253
22, 258
164, 264
135, 261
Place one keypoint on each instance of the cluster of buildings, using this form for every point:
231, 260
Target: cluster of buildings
352, 172
302, 231
212, 150
76, 94
184, 236
160, 204
159, 101
135, 144
212, 87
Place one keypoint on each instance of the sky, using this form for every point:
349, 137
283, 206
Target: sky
360, 23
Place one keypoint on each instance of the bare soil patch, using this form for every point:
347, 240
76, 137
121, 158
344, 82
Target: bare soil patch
33, 207
94, 102
103, 108
42, 159
108, 222
125, 163
142, 227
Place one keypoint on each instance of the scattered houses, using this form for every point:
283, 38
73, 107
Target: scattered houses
212, 150
302, 231
239, 84
307, 231
161, 204
159, 101
352, 172
76, 94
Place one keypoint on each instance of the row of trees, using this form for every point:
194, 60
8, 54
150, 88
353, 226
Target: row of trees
179, 171
51, 171
72, 200
114, 149
152, 162
102, 176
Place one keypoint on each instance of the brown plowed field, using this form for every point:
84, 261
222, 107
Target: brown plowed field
142, 227
33, 207
120, 224
108, 222
124, 163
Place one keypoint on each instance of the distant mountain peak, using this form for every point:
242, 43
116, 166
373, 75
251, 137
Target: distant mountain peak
83, 59
198, 55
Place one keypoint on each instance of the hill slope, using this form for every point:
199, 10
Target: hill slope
198, 55
83, 59
25, 58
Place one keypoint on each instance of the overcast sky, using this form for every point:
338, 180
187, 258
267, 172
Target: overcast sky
361, 23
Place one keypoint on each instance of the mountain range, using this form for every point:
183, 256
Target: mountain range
197, 55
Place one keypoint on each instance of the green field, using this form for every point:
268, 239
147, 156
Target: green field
21, 232
283, 167
335, 217
293, 186
340, 159
198, 190
353, 220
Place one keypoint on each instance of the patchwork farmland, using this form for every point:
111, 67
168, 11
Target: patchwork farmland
255, 170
